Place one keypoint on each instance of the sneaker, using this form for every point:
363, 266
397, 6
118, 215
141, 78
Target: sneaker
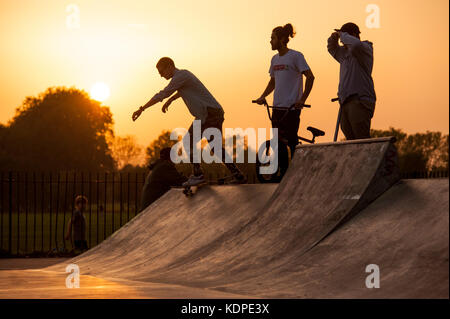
194, 180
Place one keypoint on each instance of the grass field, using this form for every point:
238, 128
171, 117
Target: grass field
44, 232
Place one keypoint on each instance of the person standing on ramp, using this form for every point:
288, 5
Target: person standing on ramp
287, 69
356, 89
201, 104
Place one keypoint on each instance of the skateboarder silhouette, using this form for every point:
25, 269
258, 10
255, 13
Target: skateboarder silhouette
200, 103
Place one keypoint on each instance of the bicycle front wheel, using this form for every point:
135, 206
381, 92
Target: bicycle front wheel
272, 164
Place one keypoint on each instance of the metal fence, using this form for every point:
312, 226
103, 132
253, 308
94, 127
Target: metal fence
426, 174
35, 208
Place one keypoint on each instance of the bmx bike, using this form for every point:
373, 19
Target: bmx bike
267, 150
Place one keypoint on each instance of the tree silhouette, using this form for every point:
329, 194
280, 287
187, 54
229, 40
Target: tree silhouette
162, 141
61, 129
419, 152
125, 150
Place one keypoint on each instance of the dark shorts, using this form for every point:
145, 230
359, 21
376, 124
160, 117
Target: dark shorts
287, 126
80, 244
215, 119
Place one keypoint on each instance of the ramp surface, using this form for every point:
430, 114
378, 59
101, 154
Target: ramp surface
246, 239
404, 232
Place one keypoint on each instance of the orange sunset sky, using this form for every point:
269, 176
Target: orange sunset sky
226, 44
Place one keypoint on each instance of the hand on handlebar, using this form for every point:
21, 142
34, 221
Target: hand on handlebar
300, 105
260, 101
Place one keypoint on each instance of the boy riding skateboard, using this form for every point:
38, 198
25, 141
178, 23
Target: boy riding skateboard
200, 103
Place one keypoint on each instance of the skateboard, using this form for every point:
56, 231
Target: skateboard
190, 190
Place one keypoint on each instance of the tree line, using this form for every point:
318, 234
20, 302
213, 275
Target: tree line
63, 129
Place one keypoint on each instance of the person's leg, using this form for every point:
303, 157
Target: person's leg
345, 122
360, 115
287, 126
77, 244
292, 125
215, 119
196, 168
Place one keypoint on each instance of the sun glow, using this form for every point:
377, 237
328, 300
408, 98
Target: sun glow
100, 91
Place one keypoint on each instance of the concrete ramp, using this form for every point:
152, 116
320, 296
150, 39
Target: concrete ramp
404, 232
175, 229
324, 185
232, 234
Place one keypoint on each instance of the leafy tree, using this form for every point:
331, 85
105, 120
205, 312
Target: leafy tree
61, 129
162, 141
125, 150
214, 170
419, 152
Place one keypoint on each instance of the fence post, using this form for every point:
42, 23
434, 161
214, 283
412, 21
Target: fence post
90, 206
97, 201
10, 214
128, 196
1, 211
26, 212
34, 211
112, 201
18, 212
104, 208
121, 199
135, 195
51, 211
65, 208
57, 211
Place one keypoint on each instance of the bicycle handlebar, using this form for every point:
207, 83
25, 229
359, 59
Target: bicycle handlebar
282, 108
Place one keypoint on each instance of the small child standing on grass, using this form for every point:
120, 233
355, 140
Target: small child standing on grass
77, 224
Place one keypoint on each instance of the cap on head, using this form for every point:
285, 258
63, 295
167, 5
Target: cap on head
350, 28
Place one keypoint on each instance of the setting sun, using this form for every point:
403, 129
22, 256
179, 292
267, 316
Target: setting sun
100, 91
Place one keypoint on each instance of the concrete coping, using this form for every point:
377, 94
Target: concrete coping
391, 139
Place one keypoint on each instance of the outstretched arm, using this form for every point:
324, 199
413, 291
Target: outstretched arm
176, 83
308, 86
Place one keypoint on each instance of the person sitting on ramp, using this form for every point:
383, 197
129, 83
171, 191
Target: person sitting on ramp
162, 176
201, 104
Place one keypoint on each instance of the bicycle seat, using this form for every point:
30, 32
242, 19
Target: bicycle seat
315, 131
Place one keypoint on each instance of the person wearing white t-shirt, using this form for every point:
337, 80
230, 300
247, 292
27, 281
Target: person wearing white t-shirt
287, 69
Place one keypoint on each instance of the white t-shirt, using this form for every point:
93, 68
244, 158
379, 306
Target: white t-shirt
287, 71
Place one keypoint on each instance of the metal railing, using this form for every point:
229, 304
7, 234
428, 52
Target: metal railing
35, 208
425, 174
